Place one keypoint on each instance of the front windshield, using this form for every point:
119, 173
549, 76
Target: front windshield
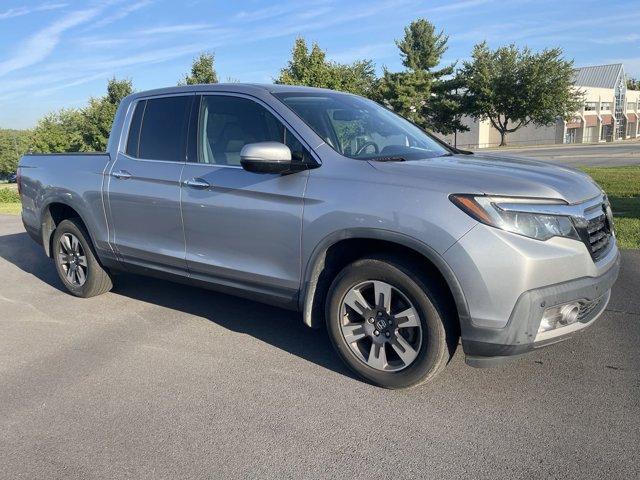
360, 128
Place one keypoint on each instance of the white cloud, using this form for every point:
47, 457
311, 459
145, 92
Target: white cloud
570, 24
455, 6
299, 19
122, 13
150, 57
549, 33
180, 28
616, 39
264, 13
89, 65
40, 45
320, 19
45, 92
21, 11
64, 75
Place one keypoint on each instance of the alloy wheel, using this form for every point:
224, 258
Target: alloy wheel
381, 326
72, 259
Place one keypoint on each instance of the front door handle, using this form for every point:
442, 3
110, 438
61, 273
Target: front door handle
121, 174
198, 183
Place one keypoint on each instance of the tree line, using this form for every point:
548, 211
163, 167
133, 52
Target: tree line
509, 86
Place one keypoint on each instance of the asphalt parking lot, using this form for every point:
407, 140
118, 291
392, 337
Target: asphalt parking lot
159, 380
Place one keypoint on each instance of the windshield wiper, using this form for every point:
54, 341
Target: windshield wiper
388, 159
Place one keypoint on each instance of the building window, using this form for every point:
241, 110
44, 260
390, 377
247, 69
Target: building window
605, 106
606, 133
590, 106
631, 106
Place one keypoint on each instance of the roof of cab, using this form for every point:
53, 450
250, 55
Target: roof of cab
248, 88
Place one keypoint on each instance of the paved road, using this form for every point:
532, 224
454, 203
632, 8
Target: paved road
157, 380
609, 154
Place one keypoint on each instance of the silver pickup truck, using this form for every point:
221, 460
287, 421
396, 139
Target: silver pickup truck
332, 205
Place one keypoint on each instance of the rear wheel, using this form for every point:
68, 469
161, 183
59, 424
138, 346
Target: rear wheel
76, 262
390, 325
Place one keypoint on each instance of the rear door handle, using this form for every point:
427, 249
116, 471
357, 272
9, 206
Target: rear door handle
197, 183
121, 174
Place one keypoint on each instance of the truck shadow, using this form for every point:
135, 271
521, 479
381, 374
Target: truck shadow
280, 328
24, 253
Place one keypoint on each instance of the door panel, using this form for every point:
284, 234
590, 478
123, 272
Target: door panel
145, 213
242, 229
144, 185
245, 228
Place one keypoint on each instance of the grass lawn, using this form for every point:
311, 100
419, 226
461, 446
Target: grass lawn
9, 199
622, 185
10, 208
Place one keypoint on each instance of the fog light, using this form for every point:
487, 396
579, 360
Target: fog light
559, 316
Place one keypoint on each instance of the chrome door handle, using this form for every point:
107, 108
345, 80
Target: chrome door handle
197, 183
121, 174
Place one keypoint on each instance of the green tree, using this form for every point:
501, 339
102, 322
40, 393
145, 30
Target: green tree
202, 71
513, 88
633, 83
99, 114
81, 130
59, 131
311, 68
13, 144
427, 96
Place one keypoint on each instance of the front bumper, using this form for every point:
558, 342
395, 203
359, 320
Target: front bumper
489, 347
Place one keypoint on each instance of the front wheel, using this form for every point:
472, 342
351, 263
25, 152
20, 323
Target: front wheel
390, 325
76, 262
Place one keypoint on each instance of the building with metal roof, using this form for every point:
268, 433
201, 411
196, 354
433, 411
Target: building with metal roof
599, 76
610, 113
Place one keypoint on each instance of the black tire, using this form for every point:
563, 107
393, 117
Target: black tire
438, 322
98, 280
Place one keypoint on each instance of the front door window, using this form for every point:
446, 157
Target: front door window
228, 123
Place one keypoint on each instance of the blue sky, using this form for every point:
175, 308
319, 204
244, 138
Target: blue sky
58, 53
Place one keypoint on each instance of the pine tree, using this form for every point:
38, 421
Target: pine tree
427, 96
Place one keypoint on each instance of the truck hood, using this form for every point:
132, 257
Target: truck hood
494, 174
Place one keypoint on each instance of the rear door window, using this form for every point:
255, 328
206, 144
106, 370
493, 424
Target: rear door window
163, 131
134, 130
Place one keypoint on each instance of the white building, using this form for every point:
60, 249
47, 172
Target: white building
610, 113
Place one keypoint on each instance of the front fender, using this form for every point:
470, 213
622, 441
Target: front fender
316, 264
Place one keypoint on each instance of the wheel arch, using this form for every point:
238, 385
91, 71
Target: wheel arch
53, 213
340, 248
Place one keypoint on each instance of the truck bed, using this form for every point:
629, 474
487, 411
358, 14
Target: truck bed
69, 178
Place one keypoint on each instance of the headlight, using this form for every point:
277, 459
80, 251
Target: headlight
609, 214
503, 213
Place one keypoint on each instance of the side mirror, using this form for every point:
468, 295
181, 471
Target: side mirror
266, 157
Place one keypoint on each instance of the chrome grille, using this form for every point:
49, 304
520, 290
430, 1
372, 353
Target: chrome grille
598, 235
595, 227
